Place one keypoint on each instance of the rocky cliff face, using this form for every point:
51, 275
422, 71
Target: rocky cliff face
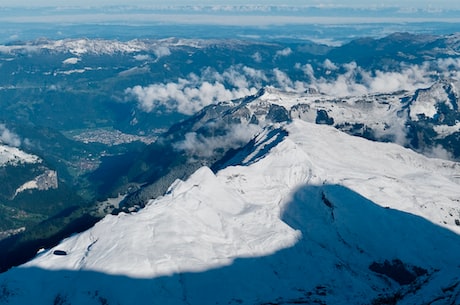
47, 180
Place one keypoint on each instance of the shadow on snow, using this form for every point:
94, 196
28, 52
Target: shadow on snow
343, 234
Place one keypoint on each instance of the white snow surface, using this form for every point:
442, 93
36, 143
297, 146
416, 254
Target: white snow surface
302, 223
426, 102
446, 130
427, 99
379, 112
79, 47
71, 61
13, 156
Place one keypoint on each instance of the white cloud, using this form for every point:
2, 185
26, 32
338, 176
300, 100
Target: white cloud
8, 137
354, 80
283, 81
438, 152
188, 95
449, 67
257, 57
162, 51
329, 65
307, 70
235, 78
345, 84
235, 136
284, 52
254, 74
197, 91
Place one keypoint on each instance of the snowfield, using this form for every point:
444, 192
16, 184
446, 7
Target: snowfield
14, 156
310, 221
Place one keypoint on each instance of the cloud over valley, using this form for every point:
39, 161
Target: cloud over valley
194, 92
234, 136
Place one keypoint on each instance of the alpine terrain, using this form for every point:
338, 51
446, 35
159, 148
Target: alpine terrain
303, 213
229, 154
98, 124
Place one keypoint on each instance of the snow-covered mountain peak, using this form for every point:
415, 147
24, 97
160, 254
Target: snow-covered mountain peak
288, 99
426, 120
304, 213
428, 103
201, 223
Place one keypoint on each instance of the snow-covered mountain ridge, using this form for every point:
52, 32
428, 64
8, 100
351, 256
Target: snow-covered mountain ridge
320, 217
445, 44
426, 120
100, 47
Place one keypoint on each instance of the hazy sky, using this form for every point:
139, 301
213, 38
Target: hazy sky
363, 3
231, 12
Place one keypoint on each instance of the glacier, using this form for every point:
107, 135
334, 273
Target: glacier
301, 218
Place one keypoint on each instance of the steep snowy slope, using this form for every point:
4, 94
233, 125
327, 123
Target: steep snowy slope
322, 217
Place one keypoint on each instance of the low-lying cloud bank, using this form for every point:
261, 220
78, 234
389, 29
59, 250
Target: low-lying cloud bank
194, 92
354, 80
191, 94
